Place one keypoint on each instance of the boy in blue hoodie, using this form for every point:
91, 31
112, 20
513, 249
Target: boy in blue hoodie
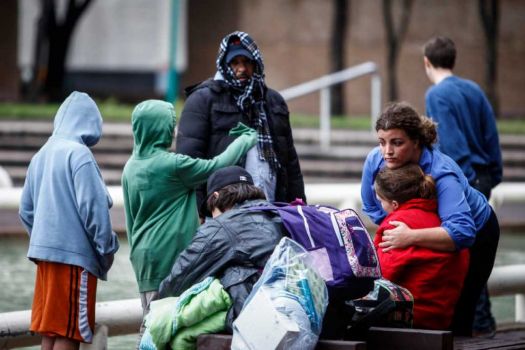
65, 209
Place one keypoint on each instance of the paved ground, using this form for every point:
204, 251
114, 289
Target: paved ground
511, 336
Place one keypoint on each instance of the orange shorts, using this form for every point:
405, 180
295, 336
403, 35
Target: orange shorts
64, 302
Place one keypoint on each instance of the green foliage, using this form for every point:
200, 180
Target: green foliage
337, 122
10, 110
118, 112
110, 109
513, 126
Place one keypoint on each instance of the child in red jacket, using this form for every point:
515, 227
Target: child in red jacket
435, 278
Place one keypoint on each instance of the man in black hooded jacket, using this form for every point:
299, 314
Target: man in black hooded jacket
233, 246
238, 93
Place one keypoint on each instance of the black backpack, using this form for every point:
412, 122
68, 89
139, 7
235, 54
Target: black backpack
387, 305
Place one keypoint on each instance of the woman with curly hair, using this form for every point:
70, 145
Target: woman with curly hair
467, 219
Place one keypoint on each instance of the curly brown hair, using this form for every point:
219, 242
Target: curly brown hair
401, 115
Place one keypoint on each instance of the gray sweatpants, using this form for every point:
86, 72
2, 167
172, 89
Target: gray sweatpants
145, 299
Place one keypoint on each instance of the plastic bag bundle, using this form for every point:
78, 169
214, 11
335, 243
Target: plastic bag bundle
287, 303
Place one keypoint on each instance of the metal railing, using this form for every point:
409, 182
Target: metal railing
113, 318
340, 195
323, 85
508, 280
122, 317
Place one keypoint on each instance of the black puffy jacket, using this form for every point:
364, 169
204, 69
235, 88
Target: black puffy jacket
210, 112
234, 247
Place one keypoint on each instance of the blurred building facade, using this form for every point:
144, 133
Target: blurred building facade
9, 74
121, 48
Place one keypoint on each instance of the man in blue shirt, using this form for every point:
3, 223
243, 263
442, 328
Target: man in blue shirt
467, 133
466, 124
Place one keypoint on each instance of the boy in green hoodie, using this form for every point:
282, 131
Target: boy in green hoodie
159, 192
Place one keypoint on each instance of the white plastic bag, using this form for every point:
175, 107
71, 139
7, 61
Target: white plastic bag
286, 306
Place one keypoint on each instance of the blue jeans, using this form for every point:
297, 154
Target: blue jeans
483, 319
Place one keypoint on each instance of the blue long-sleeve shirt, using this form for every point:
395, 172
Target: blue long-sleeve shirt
466, 126
462, 209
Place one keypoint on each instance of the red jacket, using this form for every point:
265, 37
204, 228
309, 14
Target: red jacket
435, 278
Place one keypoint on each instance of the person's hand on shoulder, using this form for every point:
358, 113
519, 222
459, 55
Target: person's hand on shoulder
245, 131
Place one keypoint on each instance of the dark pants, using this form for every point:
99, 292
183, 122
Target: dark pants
483, 181
483, 319
482, 256
484, 322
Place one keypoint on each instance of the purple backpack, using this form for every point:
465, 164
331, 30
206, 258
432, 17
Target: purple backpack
338, 242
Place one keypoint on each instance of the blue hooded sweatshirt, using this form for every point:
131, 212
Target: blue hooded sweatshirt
65, 204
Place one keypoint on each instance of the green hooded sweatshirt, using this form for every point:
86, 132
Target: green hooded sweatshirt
159, 190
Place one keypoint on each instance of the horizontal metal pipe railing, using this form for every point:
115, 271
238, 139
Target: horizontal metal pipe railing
120, 316
123, 317
329, 80
323, 85
509, 279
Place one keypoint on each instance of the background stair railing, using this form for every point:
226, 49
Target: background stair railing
323, 85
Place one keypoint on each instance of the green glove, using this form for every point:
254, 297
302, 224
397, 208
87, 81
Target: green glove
241, 129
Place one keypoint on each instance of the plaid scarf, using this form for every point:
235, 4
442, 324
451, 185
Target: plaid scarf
244, 95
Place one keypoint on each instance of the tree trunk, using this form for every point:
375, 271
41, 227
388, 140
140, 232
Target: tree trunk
394, 40
489, 14
59, 40
39, 71
51, 48
338, 54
